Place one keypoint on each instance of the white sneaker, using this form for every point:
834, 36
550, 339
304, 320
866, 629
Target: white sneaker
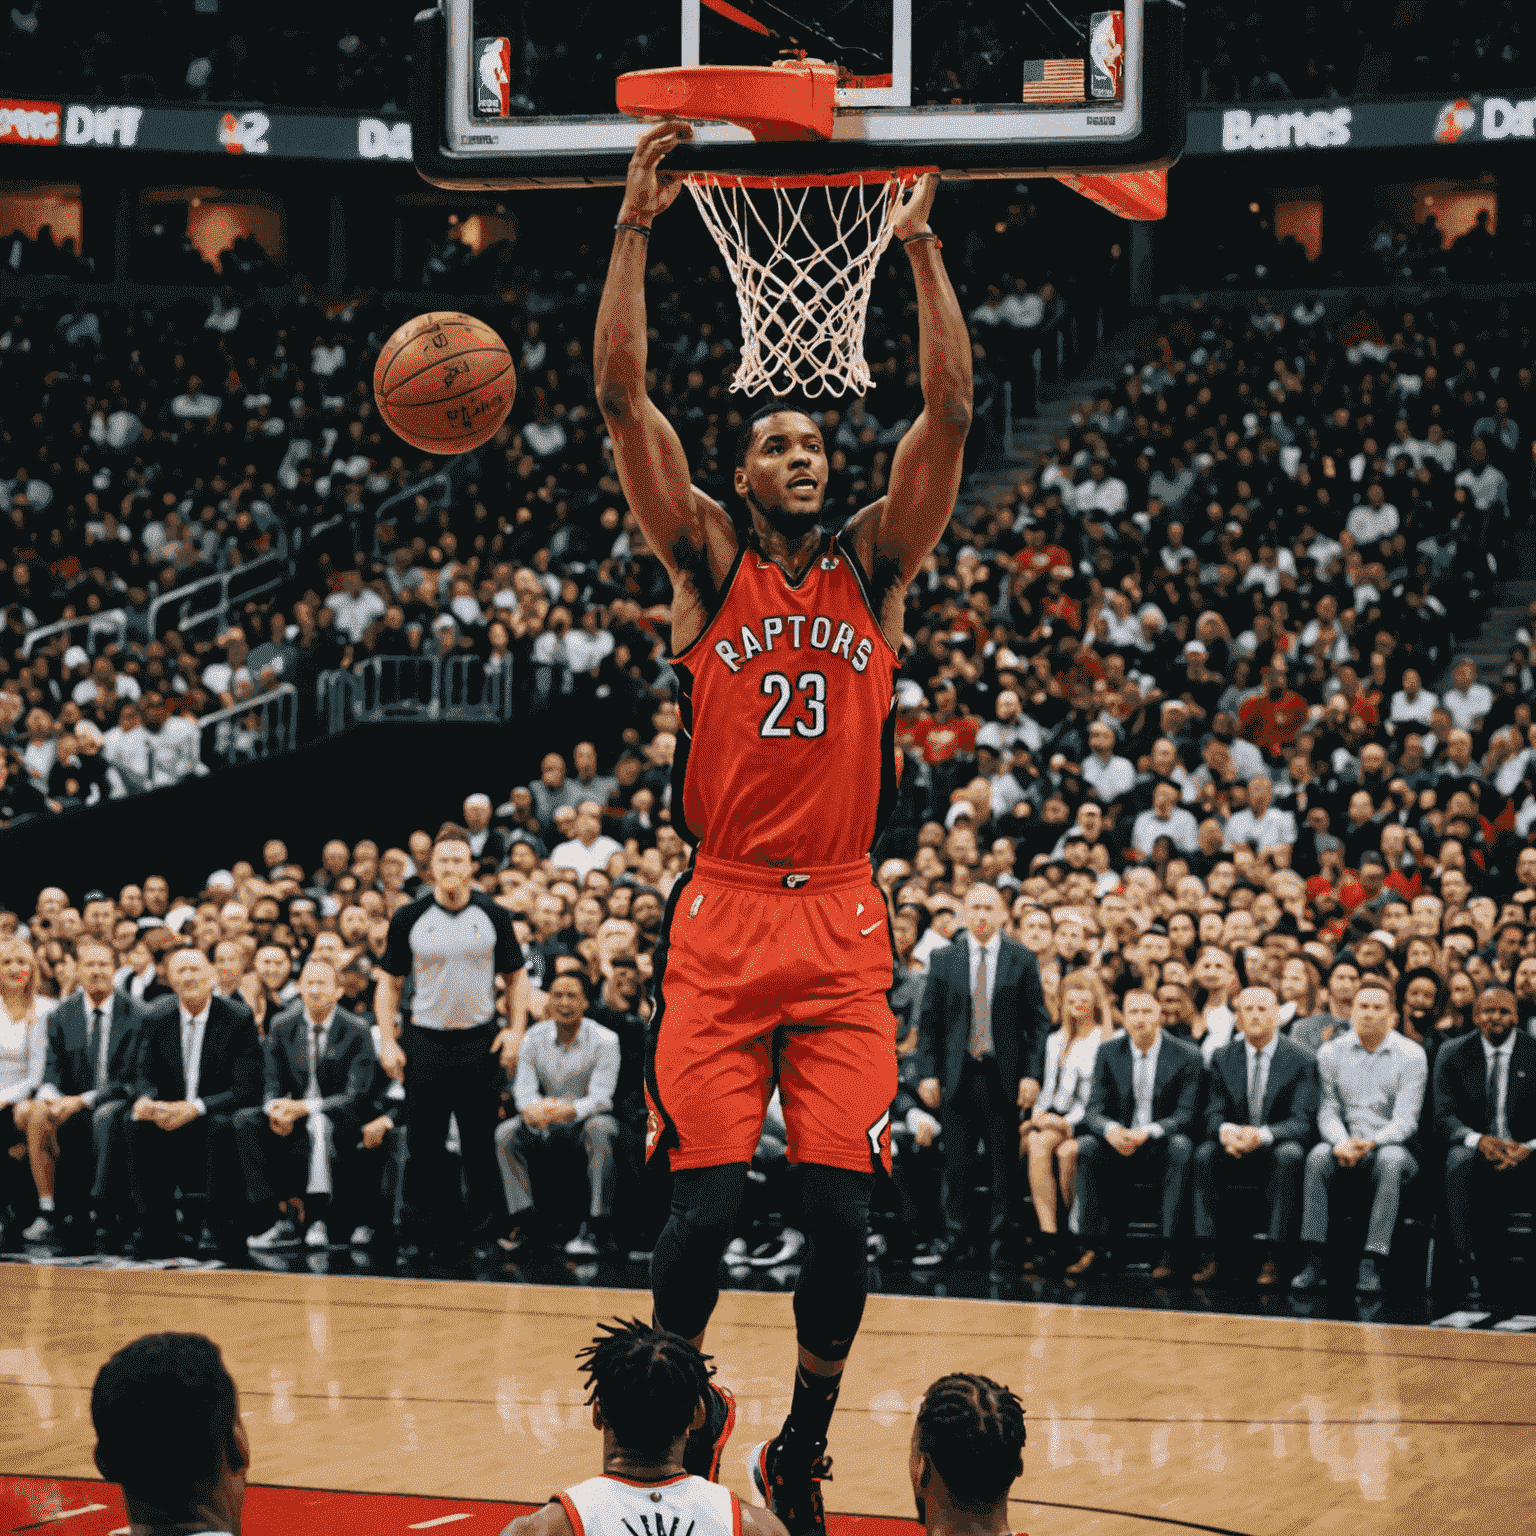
782, 1250
317, 1236
281, 1234
40, 1231
583, 1245
362, 1237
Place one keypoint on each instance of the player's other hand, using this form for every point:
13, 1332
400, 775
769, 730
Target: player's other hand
648, 189
912, 217
930, 1093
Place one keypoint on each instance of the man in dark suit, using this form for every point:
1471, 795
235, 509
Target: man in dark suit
319, 1070
981, 1048
1142, 1116
199, 1062
1260, 1119
1485, 1110
89, 1075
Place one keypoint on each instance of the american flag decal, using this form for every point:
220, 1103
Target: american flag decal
1053, 80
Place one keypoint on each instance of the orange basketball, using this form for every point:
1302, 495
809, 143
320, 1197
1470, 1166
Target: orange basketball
444, 382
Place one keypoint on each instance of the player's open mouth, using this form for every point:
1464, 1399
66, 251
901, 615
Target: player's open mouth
804, 483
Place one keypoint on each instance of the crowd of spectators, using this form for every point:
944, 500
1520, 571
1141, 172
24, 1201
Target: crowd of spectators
1185, 693
1240, 51
176, 443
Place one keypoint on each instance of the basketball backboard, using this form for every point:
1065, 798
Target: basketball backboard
520, 93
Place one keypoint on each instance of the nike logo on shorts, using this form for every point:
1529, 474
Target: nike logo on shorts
867, 931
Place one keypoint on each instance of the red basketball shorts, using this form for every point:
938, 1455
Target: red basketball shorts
770, 975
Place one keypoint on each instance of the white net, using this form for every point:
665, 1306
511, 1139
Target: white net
803, 258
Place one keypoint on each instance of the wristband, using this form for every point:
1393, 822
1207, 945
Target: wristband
926, 234
638, 229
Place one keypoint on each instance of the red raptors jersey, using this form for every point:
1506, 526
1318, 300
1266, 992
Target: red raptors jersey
786, 750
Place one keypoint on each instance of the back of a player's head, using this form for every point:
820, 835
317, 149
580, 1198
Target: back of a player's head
972, 1430
164, 1409
774, 406
647, 1384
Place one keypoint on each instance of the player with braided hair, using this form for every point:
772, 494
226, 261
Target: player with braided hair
648, 1389
967, 1451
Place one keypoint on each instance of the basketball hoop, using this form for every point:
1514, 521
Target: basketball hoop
801, 250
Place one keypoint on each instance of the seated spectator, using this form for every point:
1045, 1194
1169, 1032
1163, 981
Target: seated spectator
319, 1067
1262, 1115
567, 1074
1373, 1082
1146, 1092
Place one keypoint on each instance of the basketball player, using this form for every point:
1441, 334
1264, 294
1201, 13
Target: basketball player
967, 1452
775, 956
168, 1430
649, 1390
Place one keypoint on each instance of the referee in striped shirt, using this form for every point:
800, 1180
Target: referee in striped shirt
452, 1055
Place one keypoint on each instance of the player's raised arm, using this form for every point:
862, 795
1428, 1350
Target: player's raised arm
653, 469
925, 474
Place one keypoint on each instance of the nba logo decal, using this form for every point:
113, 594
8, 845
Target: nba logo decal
1106, 54
1456, 119
493, 77
829, 562
652, 1130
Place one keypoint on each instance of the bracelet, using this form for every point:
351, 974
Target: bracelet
926, 234
637, 229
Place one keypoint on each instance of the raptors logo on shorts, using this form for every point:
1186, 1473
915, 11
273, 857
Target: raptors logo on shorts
775, 958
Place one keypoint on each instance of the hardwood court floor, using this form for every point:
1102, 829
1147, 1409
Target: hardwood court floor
1139, 1421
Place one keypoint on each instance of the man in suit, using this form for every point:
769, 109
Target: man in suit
981, 1049
199, 1062
1260, 1119
1373, 1082
91, 1067
1485, 1110
168, 1431
319, 1071
1142, 1115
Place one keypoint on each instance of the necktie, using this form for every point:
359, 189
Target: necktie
94, 1037
1256, 1091
188, 1035
313, 1090
981, 1013
1143, 1090
1495, 1119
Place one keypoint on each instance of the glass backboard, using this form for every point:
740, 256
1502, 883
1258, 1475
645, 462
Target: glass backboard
517, 93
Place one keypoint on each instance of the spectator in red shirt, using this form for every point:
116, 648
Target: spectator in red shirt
1272, 720
945, 734
1037, 557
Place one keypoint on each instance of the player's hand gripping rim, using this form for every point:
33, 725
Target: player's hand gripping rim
648, 189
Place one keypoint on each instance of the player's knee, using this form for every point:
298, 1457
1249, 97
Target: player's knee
706, 1200
836, 1203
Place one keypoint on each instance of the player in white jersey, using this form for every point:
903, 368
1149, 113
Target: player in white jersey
648, 1389
967, 1453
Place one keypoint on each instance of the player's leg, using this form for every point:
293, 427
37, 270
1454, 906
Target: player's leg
836, 1084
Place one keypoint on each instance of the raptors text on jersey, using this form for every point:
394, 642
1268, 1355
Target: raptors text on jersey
785, 755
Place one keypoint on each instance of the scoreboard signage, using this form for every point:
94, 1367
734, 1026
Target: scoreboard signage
198, 130
1274, 128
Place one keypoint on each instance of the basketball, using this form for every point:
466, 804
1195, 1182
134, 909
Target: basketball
444, 382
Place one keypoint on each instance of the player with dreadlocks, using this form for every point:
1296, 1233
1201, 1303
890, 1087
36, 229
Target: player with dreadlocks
967, 1450
647, 1389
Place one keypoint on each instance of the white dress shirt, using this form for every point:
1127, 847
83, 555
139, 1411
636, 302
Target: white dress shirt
1144, 1091
1502, 1055
1266, 1059
103, 1046
193, 1028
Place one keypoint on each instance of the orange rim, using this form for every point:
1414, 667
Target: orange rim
906, 175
